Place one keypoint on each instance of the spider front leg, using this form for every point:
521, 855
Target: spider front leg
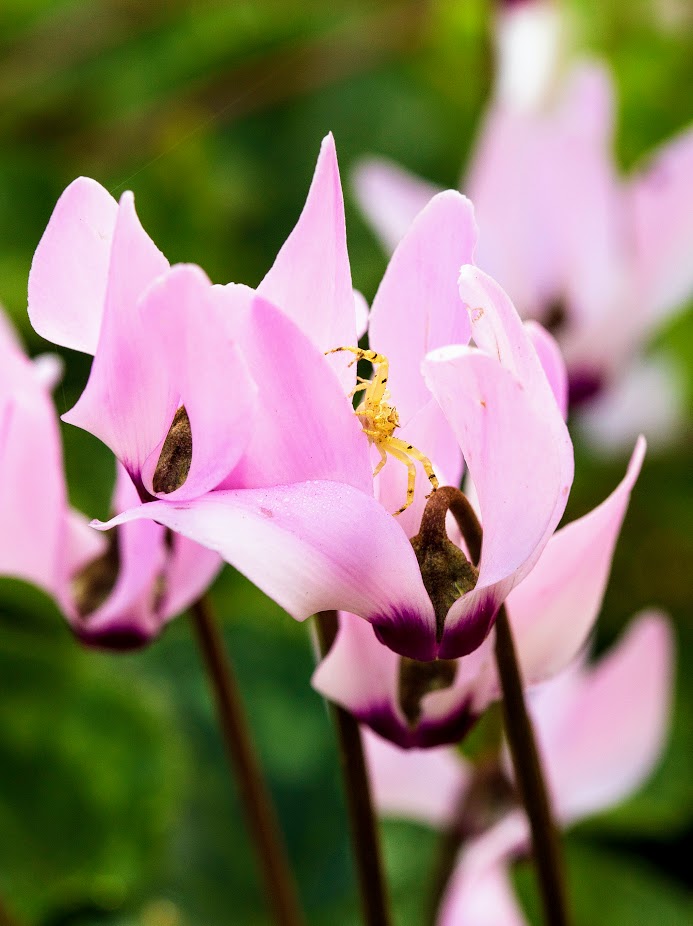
412, 452
382, 461
411, 473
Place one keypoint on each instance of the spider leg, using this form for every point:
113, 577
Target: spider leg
361, 386
415, 454
382, 461
411, 468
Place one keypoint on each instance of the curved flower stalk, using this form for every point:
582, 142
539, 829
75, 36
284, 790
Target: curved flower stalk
601, 729
117, 591
602, 281
551, 612
238, 431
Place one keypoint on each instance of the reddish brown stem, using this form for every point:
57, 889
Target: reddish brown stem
280, 888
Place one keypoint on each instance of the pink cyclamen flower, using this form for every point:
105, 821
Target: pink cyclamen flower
551, 613
279, 478
601, 729
606, 277
117, 591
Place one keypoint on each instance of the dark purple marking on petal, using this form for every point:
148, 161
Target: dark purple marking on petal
405, 633
466, 636
116, 637
583, 386
383, 720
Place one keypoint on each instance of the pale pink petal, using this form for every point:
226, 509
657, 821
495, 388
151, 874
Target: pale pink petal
190, 570
480, 897
553, 610
498, 331
418, 307
613, 727
304, 427
69, 272
130, 616
390, 198
416, 784
360, 674
311, 278
184, 318
513, 210
9, 339
551, 359
521, 466
129, 400
84, 544
304, 545
648, 397
33, 498
529, 41
661, 200
49, 370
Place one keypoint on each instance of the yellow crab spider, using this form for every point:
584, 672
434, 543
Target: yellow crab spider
380, 420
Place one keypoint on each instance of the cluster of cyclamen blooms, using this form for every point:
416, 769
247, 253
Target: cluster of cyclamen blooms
235, 435
601, 260
237, 431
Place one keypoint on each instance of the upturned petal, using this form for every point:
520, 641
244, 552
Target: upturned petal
612, 722
304, 426
499, 402
129, 399
33, 496
418, 306
552, 611
310, 279
661, 201
69, 272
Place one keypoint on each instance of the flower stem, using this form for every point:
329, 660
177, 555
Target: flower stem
530, 780
280, 888
364, 826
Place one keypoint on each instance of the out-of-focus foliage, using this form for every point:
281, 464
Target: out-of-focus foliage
115, 805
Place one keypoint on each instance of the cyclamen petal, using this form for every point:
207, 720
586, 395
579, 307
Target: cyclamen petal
391, 198
311, 277
426, 785
305, 546
33, 496
363, 676
661, 201
554, 609
129, 400
613, 724
69, 272
418, 307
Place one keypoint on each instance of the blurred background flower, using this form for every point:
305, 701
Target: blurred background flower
114, 802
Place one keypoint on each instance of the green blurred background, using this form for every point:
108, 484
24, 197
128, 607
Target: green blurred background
115, 806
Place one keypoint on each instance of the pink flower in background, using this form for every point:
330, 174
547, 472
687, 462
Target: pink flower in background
551, 612
115, 592
603, 261
601, 729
